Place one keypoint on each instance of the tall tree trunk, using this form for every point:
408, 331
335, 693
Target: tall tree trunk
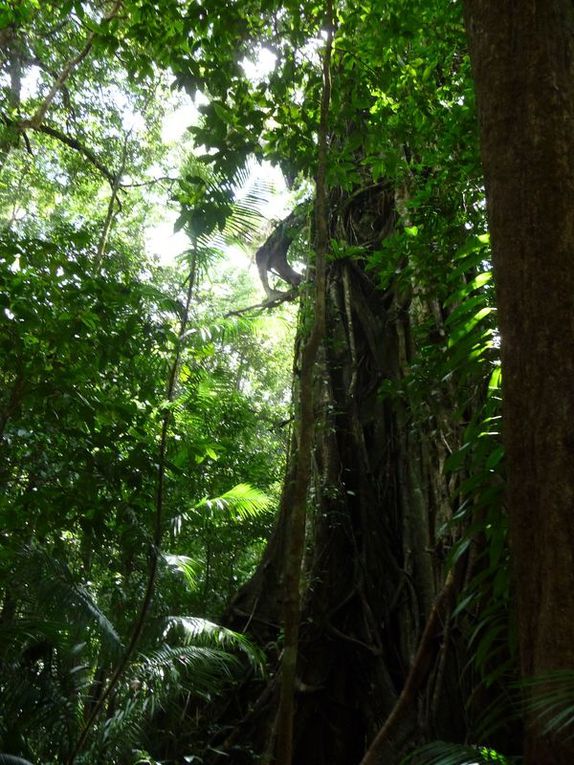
306, 415
523, 63
376, 499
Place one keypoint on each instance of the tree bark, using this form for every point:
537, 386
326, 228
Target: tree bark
523, 63
370, 573
295, 546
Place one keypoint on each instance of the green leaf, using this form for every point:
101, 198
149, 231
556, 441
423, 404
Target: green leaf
223, 112
241, 502
185, 565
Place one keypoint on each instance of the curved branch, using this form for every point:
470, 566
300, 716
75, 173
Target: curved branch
266, 305
64, 138
73, 143
72, 64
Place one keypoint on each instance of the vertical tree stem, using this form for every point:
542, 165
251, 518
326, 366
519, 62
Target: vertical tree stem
112, 211
426, 651
155, 547
309, 356
522, 57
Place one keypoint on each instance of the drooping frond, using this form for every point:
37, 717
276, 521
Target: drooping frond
185, 565
551, 701
51, 583
202, 632
193, 656
198, 669
242, 501
119, 732
445, 753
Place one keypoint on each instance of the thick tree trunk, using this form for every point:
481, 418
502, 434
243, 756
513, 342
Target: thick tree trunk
371, 573
523, 63
371, 577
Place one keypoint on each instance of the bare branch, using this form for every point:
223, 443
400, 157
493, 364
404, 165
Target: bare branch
69, 140
28, 145
139, 184
72, 64
114, 206
266, 305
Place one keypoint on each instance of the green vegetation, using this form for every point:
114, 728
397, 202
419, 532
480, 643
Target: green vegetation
269, 527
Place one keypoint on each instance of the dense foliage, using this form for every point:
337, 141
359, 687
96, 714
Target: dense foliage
90, 328
145, 408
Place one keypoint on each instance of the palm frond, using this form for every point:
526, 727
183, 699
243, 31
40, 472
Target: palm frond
199, 669
240, 502
23, 631
251, 190
203, 659
244, 223
50, 582
143, 758
42, 674
185, 565
445, 753
503, 711
117, 734
202, 632
219, 210
550, 698
229, 328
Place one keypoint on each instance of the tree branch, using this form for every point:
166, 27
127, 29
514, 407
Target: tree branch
73, 143
266, 305
64, 138
72, 64
111, 212
139, 184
